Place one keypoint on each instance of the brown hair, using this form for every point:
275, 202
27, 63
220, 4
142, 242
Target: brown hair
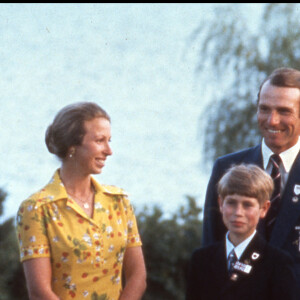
282, 77
246, 180
67, 128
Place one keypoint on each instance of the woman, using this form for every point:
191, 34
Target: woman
77, 237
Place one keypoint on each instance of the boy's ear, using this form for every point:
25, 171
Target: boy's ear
264, 208
220, 201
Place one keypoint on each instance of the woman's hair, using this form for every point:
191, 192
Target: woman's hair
67, 128
246, 180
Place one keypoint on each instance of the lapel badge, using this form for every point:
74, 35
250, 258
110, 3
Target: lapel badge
234, 277
242, 267
255, 255
295, 199
297, 189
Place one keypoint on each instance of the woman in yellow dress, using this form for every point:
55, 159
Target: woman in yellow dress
78, 239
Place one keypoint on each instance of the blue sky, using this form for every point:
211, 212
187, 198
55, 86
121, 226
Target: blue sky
136, 61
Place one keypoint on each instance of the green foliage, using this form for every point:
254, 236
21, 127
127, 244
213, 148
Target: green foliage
167, 245
12, 281
240, 58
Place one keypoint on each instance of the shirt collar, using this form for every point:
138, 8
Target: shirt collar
239, 249
288, 156
55, 189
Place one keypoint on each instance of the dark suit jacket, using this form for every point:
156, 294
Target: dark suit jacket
271, 277
285, 234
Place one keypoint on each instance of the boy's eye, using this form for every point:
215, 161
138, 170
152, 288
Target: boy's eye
248, 204
231, 202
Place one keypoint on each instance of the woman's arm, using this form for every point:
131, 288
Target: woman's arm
38, 278
135, 274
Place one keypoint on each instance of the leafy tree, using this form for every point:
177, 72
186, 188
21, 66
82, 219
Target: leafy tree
239, 59
168, 244
12, 280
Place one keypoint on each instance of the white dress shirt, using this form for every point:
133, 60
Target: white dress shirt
288, 157
240, 248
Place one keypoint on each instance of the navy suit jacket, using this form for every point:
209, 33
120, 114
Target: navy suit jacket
271, 276
285, 234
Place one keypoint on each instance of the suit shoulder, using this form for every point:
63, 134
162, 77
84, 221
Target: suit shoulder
279, 255
206, 251
243, 156
239, 154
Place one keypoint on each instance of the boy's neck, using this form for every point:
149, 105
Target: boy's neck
236, 239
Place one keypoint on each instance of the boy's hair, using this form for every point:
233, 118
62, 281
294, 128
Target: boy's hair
246, 180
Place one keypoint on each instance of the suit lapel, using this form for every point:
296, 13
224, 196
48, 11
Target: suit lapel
251, 257
254, 251
255, 156
220, 263
290, 208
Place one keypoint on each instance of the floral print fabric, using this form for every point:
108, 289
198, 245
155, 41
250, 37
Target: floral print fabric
86, 253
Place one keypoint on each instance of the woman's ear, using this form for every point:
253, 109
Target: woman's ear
71, 152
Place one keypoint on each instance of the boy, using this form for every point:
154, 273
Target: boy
243, 266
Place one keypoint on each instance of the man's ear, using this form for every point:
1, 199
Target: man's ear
264, 208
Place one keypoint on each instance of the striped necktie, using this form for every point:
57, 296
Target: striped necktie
231, 261
275, 198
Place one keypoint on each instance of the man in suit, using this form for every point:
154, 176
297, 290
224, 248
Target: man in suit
278, 116
242, 265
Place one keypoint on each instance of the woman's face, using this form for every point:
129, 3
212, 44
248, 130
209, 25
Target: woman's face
90, 156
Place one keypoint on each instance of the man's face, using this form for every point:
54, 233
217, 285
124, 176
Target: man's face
278, 116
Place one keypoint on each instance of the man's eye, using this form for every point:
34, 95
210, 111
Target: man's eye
263, 109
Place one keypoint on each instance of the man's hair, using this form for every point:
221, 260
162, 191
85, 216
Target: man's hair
282, 77
246, 180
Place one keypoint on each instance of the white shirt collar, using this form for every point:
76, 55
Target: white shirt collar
240, 248
288, 156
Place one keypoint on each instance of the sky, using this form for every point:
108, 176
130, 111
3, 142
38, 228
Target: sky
137, 62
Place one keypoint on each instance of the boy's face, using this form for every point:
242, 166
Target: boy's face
241, 215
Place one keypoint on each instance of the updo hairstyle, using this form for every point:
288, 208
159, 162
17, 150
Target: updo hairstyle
67, 128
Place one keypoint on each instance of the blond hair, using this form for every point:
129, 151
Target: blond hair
246, 180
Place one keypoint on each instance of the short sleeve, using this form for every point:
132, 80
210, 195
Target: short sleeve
31, 231
133, 237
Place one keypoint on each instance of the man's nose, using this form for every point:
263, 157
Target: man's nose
273, 118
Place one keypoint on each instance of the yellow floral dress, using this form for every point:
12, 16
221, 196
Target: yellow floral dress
86, 253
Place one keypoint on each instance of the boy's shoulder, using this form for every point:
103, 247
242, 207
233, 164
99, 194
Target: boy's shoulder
259, 250
278, 254
209, 250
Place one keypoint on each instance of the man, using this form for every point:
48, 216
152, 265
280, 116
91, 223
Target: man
278, 115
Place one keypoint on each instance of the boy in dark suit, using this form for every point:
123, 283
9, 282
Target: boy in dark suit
243, 265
